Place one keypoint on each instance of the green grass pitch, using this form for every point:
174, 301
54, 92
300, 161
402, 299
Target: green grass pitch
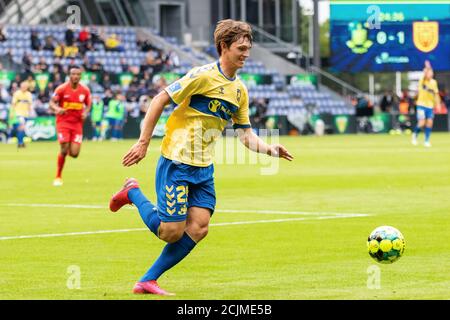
298, 234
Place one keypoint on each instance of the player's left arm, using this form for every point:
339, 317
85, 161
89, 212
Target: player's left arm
241, 122
256, 144
437, 98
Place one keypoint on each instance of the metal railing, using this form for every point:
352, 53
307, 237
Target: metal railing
336, 83
272, 42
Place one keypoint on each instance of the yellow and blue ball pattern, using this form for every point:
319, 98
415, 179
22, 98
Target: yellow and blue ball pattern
386, 244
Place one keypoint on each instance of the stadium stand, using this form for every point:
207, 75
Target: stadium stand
109, 52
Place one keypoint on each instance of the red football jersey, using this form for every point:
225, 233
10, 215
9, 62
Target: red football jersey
73, 101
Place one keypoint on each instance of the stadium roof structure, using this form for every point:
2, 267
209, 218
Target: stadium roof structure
29, 11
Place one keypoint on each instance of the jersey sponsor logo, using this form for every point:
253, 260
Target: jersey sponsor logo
73, 105
216, 105
174, 87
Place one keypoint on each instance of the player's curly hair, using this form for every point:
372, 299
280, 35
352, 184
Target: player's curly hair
229, 31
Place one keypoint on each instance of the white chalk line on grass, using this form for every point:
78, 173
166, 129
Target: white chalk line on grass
53, 235
315, 216
82, 206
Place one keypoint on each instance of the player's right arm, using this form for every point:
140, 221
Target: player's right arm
192, 83
54, 102
139, 149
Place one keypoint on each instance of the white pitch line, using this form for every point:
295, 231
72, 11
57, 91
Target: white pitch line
81, 206
53, 235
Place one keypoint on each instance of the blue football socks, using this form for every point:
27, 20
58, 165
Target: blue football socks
427, 134
417, 130
20, 137
148, 212
170, 256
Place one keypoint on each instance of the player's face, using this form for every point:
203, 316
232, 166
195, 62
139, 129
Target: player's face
429, 74
238, 52
75, 76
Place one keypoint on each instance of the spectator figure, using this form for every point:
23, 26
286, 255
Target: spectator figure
113, 43
144, 103
106, 81
97, 39
97, 117
57, 79
446, 99
406, 103
87, 65
49, 44
145, 45
443, 95
64, 51
31, 83
42, 66
388, 102
35, 41
132, 107
108, 96
57, 67
8, 62
27, 63
3, 36
15, 84
95, 87
69, 36
84, 35
258, 108
4, 95
124, 65
116, 116
59, 50
97, 66
173, 61
43, 99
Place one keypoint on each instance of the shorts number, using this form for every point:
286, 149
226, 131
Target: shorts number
182, 192
78, 138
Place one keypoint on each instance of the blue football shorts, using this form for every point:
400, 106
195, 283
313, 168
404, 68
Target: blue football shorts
181, 186
424, 113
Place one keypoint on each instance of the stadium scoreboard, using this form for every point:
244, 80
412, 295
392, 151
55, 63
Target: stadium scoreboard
378, 36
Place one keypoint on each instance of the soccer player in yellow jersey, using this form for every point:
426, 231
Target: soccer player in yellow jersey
427, 99
207, 98
21, 108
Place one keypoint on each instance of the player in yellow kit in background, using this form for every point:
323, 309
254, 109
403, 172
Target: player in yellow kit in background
207, 98
427, 99
21, 109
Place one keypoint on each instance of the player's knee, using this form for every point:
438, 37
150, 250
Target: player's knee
74, 154
171, 232
197, 231
171, 237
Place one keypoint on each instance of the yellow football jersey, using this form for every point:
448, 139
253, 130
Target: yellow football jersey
428, 93
21, 102
206, 100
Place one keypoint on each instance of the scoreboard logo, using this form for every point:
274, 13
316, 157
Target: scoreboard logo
426, 35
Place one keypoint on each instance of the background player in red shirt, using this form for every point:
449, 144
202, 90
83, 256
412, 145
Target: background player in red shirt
71, 103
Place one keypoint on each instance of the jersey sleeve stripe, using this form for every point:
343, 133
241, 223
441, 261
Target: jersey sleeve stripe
241, 126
